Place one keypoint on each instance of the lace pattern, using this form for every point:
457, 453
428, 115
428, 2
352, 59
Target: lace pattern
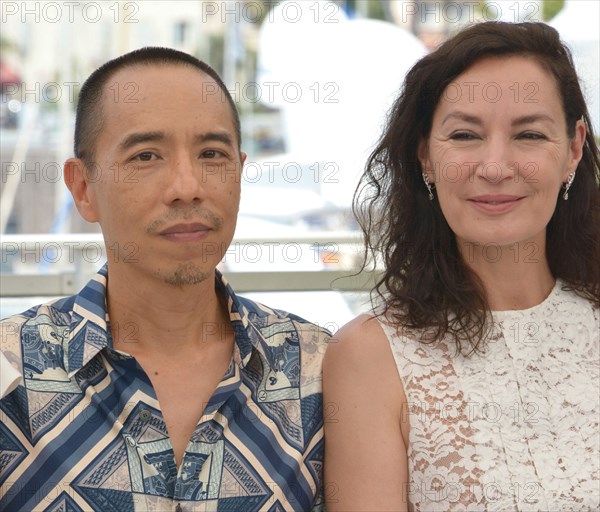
515, 427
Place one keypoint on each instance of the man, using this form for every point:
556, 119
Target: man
156, 387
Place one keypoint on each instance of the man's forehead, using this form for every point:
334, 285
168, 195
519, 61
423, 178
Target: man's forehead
141, 96
130, 89
156, 75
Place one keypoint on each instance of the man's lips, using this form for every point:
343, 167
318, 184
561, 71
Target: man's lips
185, 232
496, 203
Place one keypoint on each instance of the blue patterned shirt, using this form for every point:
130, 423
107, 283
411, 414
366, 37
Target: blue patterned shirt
83, 430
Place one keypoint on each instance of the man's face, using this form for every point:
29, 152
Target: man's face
166, 189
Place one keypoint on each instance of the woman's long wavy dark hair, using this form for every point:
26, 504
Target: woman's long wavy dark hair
426, 283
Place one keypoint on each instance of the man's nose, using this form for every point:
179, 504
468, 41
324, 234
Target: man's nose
184, 181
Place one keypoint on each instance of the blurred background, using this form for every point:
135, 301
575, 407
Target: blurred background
312, 80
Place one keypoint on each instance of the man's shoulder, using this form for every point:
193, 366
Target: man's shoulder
292, 350
265, 316
56, 311
25, 331
49, 315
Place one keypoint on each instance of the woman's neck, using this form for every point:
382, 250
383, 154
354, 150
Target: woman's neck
514, 277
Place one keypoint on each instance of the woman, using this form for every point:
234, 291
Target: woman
475, 385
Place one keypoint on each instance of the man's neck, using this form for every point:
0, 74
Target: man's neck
147, 314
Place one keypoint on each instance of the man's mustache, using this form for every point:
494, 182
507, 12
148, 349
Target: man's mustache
187, 214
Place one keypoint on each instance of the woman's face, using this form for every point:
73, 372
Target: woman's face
499, 152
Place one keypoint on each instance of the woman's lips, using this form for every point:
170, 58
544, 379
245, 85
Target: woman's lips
495, 203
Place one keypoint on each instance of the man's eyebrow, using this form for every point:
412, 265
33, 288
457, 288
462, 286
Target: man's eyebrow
140, 137
531, 119
223, 137
463, 117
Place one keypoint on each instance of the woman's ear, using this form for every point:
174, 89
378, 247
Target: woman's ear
77, 178
423, 156
575, 148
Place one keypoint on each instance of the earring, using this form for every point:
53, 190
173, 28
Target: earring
568, 185
429, 186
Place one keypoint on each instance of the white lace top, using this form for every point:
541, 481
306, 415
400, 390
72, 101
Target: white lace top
515, 428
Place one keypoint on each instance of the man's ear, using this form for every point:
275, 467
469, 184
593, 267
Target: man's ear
423, 156
77, 179
243, 157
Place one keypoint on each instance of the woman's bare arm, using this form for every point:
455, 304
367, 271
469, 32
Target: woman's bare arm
365, 438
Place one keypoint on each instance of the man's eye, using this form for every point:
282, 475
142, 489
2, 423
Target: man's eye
212, 153
145, 156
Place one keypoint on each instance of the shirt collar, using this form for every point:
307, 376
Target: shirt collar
238, 315
89, 322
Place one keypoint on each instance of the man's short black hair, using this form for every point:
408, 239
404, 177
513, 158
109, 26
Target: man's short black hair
89, 119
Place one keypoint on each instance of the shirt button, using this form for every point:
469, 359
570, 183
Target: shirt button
145, 415
130, 441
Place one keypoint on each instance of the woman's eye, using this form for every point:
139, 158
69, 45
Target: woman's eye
532, 136
463, 136
145, 156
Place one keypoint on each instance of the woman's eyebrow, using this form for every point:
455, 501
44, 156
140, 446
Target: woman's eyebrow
463, 117
532, 118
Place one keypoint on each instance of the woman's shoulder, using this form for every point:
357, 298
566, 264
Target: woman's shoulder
565, 294
360, 353
382, 333
570, 307
363, 333
363, 325
565, 306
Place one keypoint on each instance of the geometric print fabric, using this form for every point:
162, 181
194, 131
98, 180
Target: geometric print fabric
84, 430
